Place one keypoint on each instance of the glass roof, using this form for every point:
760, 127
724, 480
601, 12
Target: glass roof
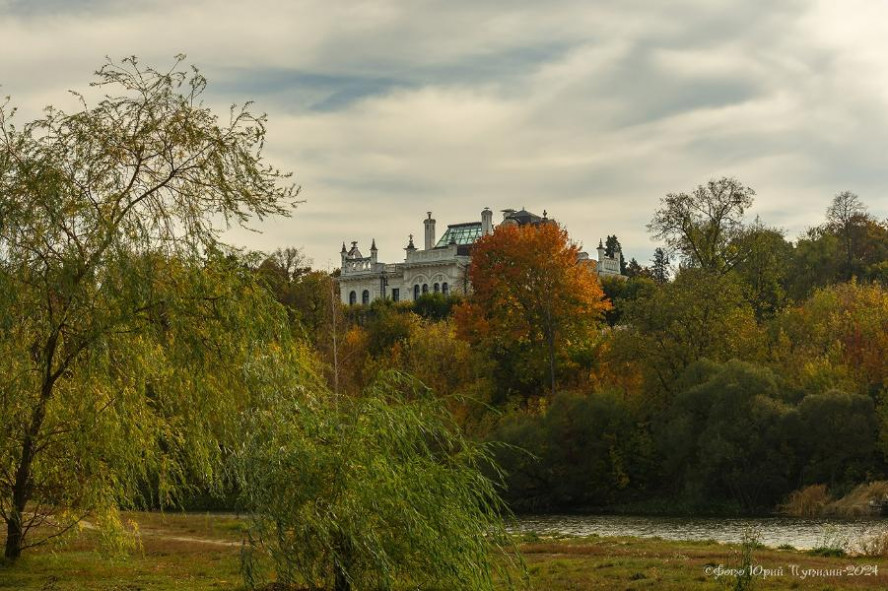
461, 234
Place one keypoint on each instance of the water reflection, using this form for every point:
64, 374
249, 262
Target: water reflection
775, 531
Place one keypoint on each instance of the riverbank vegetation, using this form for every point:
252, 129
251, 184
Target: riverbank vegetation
202, 552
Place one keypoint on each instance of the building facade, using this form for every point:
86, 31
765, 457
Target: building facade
439, 267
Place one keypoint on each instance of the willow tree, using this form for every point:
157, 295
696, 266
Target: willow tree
123, 329
380, 491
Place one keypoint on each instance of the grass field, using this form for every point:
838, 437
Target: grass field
202, 552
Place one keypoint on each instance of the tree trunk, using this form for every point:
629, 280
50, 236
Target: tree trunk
21, 489
14, 536
15, 532
341, 581
552, 364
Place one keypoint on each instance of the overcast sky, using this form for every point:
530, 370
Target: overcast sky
590, 110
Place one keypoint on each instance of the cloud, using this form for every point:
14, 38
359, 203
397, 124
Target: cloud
386, 109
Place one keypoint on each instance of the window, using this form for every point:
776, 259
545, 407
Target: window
365, 297
396, 294
352, 299
461, 234
445, 289
437, 287
425, 288
415, 292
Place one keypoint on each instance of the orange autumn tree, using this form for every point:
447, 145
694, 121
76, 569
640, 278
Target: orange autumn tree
533, 301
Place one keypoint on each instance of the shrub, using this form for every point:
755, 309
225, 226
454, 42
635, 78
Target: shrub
377, 492
807, 502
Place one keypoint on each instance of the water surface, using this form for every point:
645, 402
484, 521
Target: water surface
800, 533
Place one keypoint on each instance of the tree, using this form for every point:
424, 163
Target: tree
725, 436
837, 340
119, 301
839, 432
660, 270
382, 492
634, 269
611, 247
704, 225
844, 213
698, 315
588, 451
531, 295
765, 269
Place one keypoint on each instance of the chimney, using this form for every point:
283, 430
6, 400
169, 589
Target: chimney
429, 232
486, 222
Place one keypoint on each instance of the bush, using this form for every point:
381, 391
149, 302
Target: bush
807, 502
376, 493
875, 546
583, 451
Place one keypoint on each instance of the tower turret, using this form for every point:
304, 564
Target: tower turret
373, 251
429, 232
486, 222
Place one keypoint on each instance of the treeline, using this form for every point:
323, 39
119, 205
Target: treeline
734, 369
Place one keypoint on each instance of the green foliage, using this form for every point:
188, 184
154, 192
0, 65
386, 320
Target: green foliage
733, 433
744, 580
704, 225
764, 271
435, 306
831, 543
660, 266
378, 492
583, 451
726, 437
125, 326
837, 339
840, 432
386, 327
699, 315
622, 293
851, 244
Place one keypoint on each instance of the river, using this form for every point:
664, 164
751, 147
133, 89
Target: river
773, 531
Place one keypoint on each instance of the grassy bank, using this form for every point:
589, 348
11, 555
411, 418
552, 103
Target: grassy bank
202, 552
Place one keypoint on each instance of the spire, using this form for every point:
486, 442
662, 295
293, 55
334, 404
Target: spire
600, 245
343, 251
373, 245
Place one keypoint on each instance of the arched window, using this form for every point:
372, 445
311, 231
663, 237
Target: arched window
365, 297
437, 287
445, 289
416, 292
352, 299
425, 288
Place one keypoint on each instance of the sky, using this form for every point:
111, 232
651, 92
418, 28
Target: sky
590, 110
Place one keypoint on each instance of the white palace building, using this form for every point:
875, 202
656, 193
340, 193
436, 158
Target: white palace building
439, 267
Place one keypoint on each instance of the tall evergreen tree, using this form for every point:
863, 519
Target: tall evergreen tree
660, 269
